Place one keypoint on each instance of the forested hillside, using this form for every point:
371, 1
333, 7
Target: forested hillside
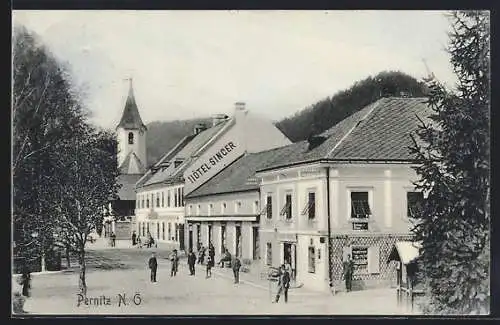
318, 117
324, 114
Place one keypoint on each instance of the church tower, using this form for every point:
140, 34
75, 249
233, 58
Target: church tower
131, 134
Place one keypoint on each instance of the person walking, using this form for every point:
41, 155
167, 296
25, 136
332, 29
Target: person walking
211, 252
26, 282
209, 266
153, 266
134, 238
175, 260
191, 259
113, 239
348, 270
236, 265
139, 242
283, 284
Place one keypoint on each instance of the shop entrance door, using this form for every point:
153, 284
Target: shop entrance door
290, 256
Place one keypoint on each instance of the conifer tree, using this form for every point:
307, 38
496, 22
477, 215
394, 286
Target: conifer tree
453, 155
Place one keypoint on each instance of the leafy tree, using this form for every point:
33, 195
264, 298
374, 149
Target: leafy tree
453, 164
86, 184
44, 113
329, 111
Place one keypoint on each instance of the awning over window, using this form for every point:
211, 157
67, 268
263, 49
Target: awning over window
404, 251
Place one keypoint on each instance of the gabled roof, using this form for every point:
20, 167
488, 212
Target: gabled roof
378, 132
127, 191
174, 172
131, 119
165, 159
240, 175
132, 165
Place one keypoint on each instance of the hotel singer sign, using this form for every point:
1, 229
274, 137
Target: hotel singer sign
211, 162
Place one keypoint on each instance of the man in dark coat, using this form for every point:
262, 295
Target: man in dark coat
134, 238
175, 261
26, 281
283, 283
153, 266
236, 265
191, 259
348, 270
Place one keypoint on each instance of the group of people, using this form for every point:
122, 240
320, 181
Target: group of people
136, 240
153, 265
191, 261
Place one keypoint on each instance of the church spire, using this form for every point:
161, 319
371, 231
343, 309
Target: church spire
131, 119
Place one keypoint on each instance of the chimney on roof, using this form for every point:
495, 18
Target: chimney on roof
218, 118
199, 128
314, 141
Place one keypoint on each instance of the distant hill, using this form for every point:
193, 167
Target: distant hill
314, 119
326, 113
163, 136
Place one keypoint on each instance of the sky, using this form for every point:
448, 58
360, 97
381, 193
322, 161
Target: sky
192, 64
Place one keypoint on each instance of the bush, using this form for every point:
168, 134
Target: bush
18, 303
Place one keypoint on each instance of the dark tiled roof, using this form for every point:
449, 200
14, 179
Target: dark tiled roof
240, 175
185, 155
127, 191
165, 159
379, 131
127, 163
131, 119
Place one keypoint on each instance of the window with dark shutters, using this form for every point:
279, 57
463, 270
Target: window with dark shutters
287, 208
310, 208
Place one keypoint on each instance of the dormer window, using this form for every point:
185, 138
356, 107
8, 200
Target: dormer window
130, 138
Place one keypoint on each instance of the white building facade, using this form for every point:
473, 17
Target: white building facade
349, 191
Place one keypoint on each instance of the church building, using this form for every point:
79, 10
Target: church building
131, 135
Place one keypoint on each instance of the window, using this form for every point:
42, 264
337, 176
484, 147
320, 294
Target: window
311, 266
175, 198
143, 229
198, 210
223, 208
168, 198
147, 202
157, 200
414, 202
190, 210
237, 207
287, 208
176, 232
163, 230
310, 208
255, 206
209, 234
169, 231
269, 207
269, 254
162, 199
210, 208
182, 196
360, 208
130, 138
223, 238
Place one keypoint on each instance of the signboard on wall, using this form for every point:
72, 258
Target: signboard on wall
215, 159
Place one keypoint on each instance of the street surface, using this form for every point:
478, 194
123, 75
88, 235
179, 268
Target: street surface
126, 274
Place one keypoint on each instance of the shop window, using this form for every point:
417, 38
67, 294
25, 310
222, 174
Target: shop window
359, 255
269, 254
130, 138
310, 208
311, 265
414, 201
287, 208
